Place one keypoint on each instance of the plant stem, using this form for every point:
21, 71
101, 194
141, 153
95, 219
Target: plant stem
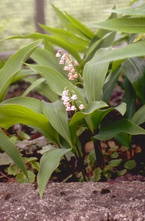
99, 156
80, 158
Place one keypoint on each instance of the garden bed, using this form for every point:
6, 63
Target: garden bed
73, 202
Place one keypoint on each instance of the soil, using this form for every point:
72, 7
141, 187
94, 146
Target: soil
119, 198
91, 201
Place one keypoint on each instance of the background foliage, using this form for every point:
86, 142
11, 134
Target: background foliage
19, 15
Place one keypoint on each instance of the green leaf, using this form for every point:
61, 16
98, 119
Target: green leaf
130, 98
97, 174
5, 159
52, 40
110, 85
11, 150
13, 170
139, 117
114, 155
57, 81
91, 157
79, 26
67, 23
29, 102
2, 63
121, 172
138, 11
22, 73
115, 163
21, 178
123, 24
29, 159
11, 114
123, 139
44, 89
129, 51
110, 129
13, 65
32, 86
130, 164
23, 135
134, 69
79, 43
94, 76
35, 165
47, 58
99, 115
48, 163
101, 32
58, 118
95, 44
79, 116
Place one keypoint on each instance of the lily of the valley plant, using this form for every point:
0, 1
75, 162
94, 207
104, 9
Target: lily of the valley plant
78, 80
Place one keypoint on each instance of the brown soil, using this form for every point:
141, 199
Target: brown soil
90, 201
110, 201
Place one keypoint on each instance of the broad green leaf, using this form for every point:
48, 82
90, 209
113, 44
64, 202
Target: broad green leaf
114, 155
11, 114
79, 26
45, 57
101, 32
80, 116
91, 157
110, 129
94, 76
29, 159
13, 65
11, 150
121, 172
115, 163
56, 81
95, 44
108, 40
90, 52
123, 24
116, 65
33, 85
67, 23
35, 165
99, 115
21, 178
23, 136
138, 11
22, 73
5, 159
123, 139
2, 63
121, 108
58, 118
44, 89
134, 69
139, 117
49, 47
97, 174
48, 163
130, 164
129, 51
79, 43
130, 98
110, 85
13, 170
54, 41
29, 102
135, 3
